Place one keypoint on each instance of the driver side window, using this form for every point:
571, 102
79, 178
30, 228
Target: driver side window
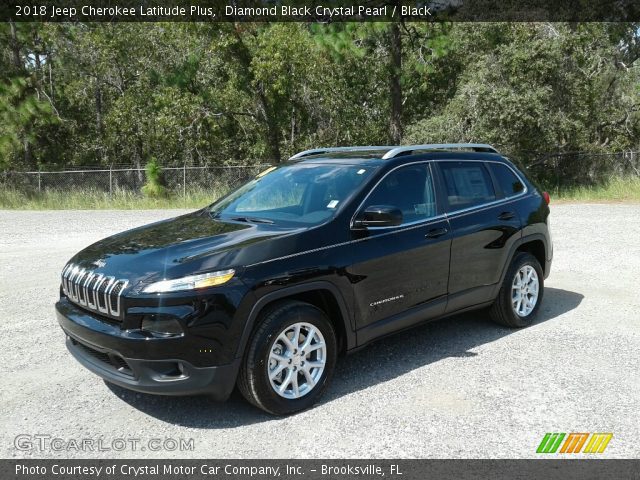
410, 189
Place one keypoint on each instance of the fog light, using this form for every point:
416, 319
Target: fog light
161, 326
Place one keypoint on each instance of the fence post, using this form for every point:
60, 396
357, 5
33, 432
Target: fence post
184, 180
110, 181
39, 181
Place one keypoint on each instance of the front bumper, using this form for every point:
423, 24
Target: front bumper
138, 363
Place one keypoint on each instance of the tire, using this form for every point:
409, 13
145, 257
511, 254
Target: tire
267, 346
503, 310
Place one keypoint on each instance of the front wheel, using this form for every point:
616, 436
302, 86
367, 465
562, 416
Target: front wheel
521, 293
290, 359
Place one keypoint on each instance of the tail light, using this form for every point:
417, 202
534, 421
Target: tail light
546, 197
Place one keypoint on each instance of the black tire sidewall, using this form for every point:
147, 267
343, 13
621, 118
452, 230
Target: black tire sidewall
261, 387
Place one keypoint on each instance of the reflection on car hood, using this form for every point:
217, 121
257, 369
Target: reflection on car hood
179, 246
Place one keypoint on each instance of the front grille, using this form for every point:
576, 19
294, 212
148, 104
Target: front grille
110, 360
93, 291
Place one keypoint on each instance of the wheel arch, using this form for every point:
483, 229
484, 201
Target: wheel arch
536, 245
321, 294
537, 248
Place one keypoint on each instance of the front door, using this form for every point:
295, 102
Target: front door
400, 268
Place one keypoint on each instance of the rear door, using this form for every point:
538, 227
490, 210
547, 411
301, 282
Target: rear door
484, 225
398, 268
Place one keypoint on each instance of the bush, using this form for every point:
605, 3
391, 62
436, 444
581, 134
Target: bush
154, 188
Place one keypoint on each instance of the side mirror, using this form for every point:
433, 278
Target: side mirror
379, 216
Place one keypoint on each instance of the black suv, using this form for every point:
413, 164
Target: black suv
321, 255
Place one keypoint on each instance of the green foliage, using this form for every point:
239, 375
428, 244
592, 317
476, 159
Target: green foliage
27, 115
154, 187
220, 93
533, 88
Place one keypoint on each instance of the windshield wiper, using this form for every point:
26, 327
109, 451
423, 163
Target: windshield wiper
252, 220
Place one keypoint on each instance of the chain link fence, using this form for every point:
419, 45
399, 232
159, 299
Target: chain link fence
554, 170
560, 170
177, 180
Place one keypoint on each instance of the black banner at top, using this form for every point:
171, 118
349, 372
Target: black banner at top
319, 11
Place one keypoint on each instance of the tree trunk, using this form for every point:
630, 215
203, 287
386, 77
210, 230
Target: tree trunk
28, 157
19, 66
395, 88
98, 96
293, 126
15, 47
273, 137
139, 158
271, 125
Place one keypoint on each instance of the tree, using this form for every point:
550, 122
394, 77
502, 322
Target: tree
535, 88
217, 93
25, 107
385, 41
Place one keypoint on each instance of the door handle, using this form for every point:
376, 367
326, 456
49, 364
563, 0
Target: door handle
436, 232
506, 215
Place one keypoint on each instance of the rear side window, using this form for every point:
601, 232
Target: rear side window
467, 183
508, 182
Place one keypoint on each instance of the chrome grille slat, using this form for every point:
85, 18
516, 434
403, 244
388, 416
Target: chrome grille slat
65, 276
85, 287
116, 311
103, 295
72, 283
80, 287
66, 280
93, 291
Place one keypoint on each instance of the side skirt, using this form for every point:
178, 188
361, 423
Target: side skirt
421, 315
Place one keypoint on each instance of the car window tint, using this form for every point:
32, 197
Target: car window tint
285, 192
467, 183
508, 182
297, 194
408, 188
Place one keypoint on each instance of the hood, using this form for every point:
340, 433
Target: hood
180, 246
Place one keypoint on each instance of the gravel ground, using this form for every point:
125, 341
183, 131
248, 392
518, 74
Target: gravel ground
462, 387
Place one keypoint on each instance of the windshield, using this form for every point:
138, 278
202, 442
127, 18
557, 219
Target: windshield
301, 194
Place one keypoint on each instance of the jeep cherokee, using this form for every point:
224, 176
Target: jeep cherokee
318, 256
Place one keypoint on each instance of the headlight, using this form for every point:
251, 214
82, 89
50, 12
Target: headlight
191, 282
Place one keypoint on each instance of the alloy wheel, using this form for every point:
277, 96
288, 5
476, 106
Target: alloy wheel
525, 290
297, 360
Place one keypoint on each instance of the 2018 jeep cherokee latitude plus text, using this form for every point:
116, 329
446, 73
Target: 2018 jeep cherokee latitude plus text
318, 256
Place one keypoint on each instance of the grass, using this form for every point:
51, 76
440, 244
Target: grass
615, 190
96, 200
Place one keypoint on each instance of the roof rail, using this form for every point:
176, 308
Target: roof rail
476, 147
316, 151
393, 151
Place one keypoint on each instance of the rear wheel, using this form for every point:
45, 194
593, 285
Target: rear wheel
290, 359
521, 293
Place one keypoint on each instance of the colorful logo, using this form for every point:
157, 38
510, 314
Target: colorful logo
573, 442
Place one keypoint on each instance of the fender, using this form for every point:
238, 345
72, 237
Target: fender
517, 244
350, 340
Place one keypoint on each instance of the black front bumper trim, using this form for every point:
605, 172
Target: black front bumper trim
160, 377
